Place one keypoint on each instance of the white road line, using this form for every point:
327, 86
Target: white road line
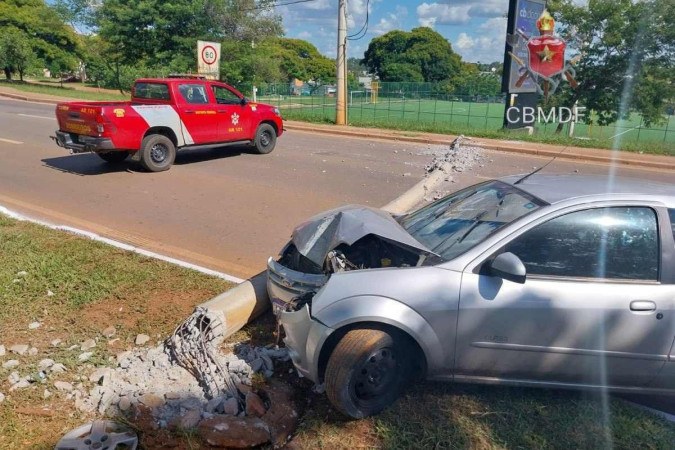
36, 117
9, 141
121, 245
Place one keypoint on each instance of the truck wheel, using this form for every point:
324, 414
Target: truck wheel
367, 371
157, 153
114, 156
265, 139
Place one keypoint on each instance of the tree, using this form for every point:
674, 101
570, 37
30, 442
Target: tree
51, 40
627, 53
15, 52
419, 55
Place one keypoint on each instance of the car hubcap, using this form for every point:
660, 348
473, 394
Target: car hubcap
376, 375
265, 138
158, 153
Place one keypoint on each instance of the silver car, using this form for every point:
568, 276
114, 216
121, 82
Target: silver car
543, 280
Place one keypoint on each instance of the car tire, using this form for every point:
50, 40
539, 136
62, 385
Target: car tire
157, 153
265, 139
113, 156
367, 371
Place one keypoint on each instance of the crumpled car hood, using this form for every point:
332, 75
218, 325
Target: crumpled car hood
346, 225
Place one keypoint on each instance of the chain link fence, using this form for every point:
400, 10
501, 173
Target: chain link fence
434, 107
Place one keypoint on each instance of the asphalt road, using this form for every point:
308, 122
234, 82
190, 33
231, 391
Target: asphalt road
224, 208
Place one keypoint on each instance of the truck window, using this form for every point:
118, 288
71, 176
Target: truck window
671, 212
193, 93
225, 96
155, 91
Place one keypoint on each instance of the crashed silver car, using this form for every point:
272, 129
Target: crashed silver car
542, 280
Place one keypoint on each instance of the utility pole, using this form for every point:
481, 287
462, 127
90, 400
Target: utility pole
341, 92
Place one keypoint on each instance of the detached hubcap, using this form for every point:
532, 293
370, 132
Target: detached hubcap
158, 153
377, 374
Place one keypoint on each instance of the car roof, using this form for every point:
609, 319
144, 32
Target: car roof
558, 188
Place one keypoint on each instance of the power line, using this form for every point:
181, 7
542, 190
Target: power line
274, 5
364, 28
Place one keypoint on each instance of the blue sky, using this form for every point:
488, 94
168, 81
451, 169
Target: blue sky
475, 29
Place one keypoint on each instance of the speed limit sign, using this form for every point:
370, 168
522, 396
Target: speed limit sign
208, 59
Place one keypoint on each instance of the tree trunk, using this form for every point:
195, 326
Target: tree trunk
8, 73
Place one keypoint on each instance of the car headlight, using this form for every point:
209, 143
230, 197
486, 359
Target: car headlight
277, 111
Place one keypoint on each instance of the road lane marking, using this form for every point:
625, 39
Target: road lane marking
36, 117
131, 248
9, 141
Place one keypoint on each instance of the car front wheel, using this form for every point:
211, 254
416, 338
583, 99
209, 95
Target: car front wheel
265, 139
367, 371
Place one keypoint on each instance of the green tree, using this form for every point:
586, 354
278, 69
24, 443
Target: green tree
419, 55
626, 55
51, 40
16, 53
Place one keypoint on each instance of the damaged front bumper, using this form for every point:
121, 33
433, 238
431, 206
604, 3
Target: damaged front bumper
284, 285
304, 339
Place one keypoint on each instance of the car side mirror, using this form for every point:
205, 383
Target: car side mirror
509, 267
244, 101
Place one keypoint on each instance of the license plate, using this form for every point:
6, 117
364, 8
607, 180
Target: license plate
78, 128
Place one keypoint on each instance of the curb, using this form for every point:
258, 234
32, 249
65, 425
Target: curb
504, 148
488, 146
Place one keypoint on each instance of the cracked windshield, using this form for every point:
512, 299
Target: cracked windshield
337, 224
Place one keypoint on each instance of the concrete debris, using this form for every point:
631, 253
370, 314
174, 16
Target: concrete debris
109, 332
19, 349
87, 345
2, 350
142, 339
63, 386
13, 377
46, 394
45, 364
2, 397
33, 351
49, 293
57, 368
85, 356
55, 342
10, 364
34, 326
460, 158
22, 274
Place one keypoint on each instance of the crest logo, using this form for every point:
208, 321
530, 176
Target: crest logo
545, 64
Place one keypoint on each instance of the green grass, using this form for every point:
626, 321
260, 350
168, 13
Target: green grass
478, 120
68, 90
94, 286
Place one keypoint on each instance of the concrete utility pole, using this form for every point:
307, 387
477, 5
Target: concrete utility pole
341, 104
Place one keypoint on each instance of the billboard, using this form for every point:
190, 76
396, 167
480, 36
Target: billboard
522, 22
208, 59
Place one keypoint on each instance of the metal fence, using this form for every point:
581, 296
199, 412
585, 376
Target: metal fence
429, 107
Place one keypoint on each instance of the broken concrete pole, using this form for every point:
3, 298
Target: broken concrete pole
231, 310
414, 196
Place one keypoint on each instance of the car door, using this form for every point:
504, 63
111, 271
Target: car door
591, 311
198, 112
234, 117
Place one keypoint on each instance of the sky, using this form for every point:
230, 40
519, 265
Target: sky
476, 29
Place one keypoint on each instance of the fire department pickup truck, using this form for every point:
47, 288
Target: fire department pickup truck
165, 115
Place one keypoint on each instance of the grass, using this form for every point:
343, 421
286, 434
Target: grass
95, 285
69, 90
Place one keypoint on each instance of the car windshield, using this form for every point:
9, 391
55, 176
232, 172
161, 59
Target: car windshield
456, 223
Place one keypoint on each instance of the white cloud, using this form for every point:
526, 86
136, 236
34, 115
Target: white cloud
458, 12
392, 21
487, 45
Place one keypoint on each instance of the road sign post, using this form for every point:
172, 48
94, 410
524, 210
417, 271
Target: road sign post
208, 59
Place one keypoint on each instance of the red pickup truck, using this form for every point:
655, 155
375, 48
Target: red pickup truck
165, 115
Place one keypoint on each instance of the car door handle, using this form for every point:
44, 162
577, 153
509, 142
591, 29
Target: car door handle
642, 306
222, 111
189, 111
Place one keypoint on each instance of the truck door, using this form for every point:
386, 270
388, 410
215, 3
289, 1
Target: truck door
234, 117
197, 112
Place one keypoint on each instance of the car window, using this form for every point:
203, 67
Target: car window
671, 213
225, 96
460, 221
193, 93
606, 243
157, 91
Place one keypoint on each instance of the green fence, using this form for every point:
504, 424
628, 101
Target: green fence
425, 107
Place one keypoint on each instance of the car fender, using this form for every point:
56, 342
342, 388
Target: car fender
368, 308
